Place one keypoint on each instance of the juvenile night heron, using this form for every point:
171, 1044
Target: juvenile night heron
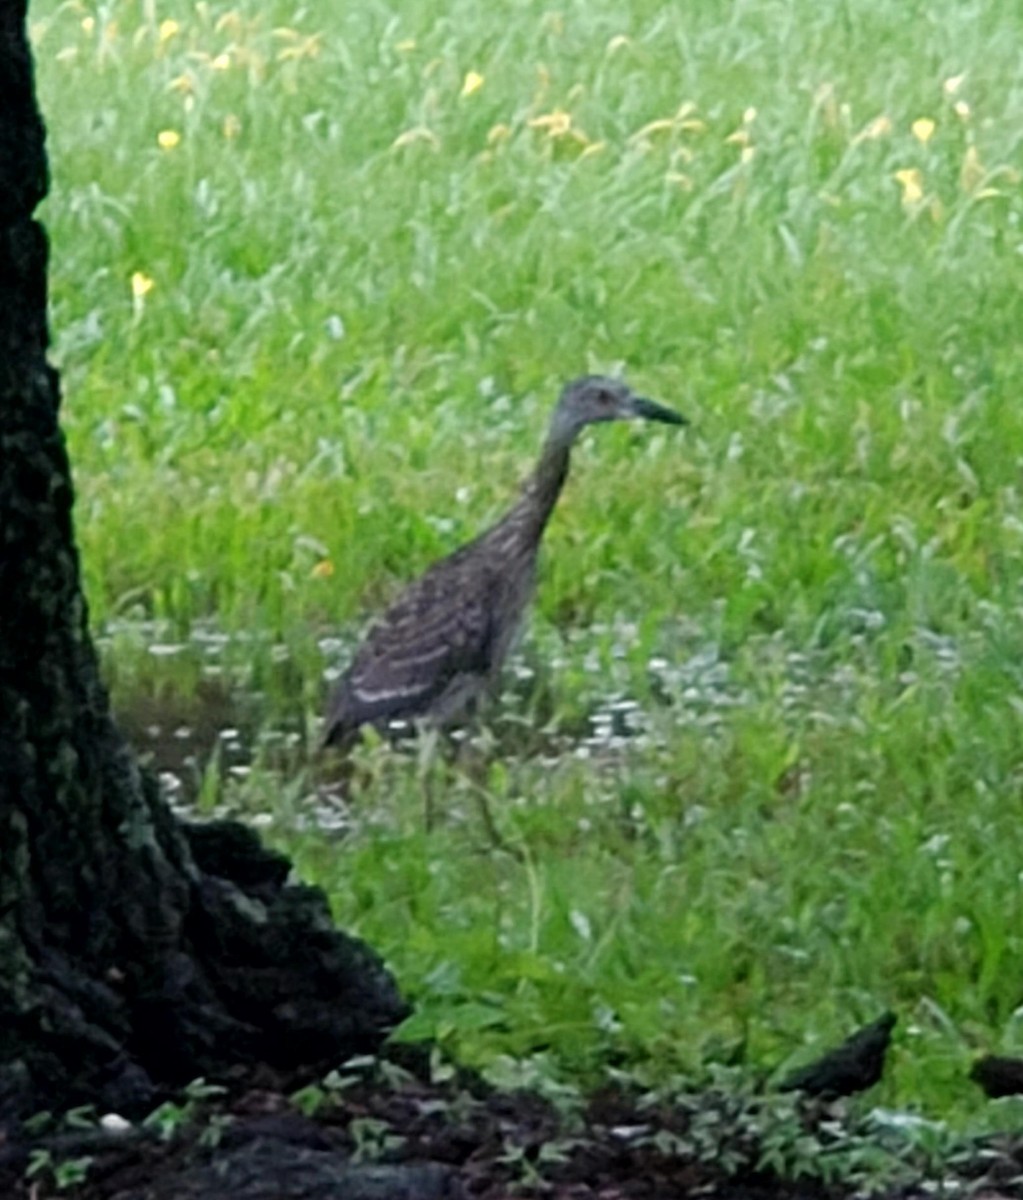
444, 639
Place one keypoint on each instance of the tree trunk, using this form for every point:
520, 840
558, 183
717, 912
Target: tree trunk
135, 952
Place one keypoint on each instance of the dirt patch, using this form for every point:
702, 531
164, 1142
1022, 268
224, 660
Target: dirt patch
403, 1127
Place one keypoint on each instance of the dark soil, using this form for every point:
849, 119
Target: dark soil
383, 1131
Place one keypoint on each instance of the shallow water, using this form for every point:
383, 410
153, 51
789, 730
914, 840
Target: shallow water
193, 706
203, 709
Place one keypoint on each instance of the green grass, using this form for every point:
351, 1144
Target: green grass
366, 290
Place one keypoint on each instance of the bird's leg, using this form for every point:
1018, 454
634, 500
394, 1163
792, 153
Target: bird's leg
428, 737
497, 838
473, 761
336, 774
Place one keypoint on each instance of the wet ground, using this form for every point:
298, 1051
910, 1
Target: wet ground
189, 700
205, 707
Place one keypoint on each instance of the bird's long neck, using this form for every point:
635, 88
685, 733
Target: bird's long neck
520, 530
541, 490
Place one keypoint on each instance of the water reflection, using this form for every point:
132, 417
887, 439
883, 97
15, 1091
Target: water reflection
206, 708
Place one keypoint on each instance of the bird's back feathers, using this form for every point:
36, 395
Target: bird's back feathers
435, 637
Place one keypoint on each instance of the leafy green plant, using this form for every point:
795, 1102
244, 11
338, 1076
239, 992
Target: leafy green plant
374, 1139
172, 1116
65, 1172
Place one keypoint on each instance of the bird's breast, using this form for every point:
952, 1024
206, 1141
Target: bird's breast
515, 594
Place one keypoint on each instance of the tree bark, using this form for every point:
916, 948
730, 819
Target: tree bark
136, 952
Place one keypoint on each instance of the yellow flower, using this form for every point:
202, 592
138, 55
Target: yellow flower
912, 181
683, 121
473, 83
141, 286
232, 126
923, 129
221, 63
231, 20
88, 24
741, 136
878, 128
953, 84
419, 134
556, 123
168, 29
962, 110
168, 138
972, 172
657, 126
323, 569
300, 47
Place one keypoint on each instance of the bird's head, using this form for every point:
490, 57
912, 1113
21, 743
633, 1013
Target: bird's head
599, 398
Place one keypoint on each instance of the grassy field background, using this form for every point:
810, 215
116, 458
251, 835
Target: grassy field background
318, 273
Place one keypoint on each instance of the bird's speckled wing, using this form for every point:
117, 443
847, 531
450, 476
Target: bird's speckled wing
437, 634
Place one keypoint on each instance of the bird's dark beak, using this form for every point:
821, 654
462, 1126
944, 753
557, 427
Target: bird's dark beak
650, 410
